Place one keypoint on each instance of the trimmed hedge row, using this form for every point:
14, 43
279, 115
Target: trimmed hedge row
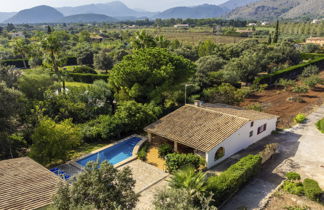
18, 63
176, 161
292, 72
87, 78
231, 180
306, 56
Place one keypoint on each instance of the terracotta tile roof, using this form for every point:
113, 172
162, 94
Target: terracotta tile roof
204, 127
25, 184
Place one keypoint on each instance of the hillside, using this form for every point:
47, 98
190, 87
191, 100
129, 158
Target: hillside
40, 14
233, 4
87, 18
272, 9
113, 9
6, 15
197, 12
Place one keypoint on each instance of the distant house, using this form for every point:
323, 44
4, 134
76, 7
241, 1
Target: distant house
182, 26
96, 38
252, 24
317, 21
265, 23
315, 40
17, 35
25, 184
214, 131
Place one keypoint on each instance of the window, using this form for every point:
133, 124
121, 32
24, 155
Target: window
252, 124
220, 153
251, 133
262, 128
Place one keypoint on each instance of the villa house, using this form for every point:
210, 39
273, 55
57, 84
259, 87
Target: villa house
25, 184
214, 131
315, 40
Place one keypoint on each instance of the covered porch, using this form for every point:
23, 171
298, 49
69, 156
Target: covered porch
157, 140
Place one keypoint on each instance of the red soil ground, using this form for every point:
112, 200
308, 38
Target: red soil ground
274, 101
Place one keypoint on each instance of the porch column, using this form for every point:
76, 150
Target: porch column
149, 135
175, 147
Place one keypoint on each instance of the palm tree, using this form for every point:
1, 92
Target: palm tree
187, 178
52, 47
21, 48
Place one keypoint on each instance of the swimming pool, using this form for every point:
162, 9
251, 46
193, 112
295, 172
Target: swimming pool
114, 154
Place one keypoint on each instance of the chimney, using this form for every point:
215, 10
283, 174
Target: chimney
198, 103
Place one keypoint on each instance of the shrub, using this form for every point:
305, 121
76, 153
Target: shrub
295, 188
164, 150
300, 89
175, 161
87, 78
84, 69
143, 151
297, 208
312, 81
18, 63
320, 125
292, 176
256, 107
231, 180
286, 83
300, 118
312, 189
310, 70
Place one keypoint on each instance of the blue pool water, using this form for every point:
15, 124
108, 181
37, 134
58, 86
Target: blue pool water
114, 154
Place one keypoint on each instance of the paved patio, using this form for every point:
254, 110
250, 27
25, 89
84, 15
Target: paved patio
145, 175
301, 150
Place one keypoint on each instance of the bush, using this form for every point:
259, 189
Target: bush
295, 188
310, 70
177, 161
300, 118
312, 189
143, 151
87, 78
84, 69
312, 81
256, 107
320, 125
231, 180
164, 150
300, 89
18, 63
292, 176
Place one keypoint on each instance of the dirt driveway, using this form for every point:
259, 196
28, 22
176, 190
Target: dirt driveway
301, 150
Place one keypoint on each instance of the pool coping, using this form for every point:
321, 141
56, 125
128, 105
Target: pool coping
132, 158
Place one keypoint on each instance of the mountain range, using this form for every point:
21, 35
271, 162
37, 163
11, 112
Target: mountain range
114, 11
197, 12
274, 9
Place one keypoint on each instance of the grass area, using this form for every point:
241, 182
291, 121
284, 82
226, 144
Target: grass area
70, 68
76, 84
85, 149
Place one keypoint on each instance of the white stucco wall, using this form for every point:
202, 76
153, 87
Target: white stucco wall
241, 140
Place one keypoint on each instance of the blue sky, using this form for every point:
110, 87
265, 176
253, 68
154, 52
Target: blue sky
151, 5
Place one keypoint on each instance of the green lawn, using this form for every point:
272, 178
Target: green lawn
76, 84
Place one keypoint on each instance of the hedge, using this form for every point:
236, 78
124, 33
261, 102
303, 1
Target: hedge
230, 181
312, 189
71, 61
175, 161
18, 63
87, 78
306, 56
291, 72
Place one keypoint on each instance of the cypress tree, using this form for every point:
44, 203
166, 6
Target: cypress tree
276, 35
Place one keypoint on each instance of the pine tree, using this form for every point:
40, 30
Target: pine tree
276, 35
